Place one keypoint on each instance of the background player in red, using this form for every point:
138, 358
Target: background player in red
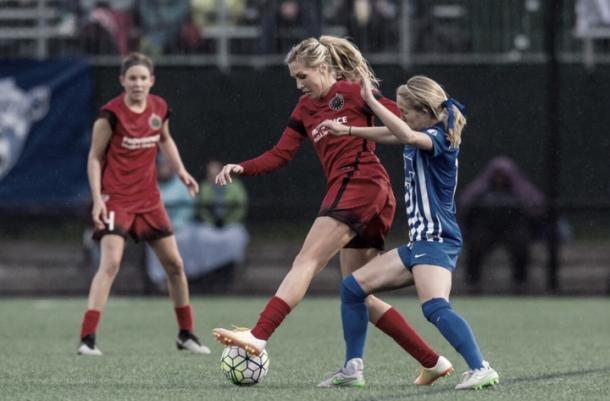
123, 179
358, 209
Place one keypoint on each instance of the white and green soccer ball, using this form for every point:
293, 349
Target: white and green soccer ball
243, 369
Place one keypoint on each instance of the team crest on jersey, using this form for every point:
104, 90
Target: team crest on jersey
337, 102
154, 121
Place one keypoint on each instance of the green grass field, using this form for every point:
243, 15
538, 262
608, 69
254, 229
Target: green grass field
543, 348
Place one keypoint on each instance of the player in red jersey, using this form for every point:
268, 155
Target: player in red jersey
357, 211
123, 179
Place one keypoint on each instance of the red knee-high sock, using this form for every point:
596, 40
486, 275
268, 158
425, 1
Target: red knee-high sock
184, 315
270, 318
396, 326
90, 322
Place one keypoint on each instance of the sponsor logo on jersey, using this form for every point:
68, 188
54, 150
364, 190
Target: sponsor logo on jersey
154, 121
432, 131
139, 143
337, 102
318, 134
19, 109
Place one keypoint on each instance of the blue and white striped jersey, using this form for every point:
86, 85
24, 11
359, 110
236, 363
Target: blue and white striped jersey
430, 183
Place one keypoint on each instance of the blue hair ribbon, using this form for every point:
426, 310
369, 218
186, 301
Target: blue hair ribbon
451, 116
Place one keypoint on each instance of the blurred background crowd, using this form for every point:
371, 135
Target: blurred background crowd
220, 64
507, 30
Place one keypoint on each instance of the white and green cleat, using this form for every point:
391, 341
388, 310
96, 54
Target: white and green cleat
349, 376
476, 379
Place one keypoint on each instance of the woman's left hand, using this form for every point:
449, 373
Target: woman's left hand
333, 127
189, 182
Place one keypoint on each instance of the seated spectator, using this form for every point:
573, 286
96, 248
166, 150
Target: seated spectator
372, 24
206, 16
162, 24
205, 12
221, 206
287, 22
500, 206
106, 28
180, 208
214, 246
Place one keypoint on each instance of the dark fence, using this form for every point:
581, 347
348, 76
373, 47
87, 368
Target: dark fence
239, 115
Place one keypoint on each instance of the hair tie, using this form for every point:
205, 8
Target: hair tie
451, 116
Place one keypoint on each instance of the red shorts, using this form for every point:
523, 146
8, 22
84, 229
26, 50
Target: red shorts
365, 204
142, 226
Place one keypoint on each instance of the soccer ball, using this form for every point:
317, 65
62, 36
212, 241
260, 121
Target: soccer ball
243, 369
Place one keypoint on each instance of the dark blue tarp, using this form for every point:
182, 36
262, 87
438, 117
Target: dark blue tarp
46, 112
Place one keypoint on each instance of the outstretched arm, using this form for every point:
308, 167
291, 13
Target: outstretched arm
376, 134
283, 151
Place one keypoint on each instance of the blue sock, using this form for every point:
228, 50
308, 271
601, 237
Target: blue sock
455, 330
355, 317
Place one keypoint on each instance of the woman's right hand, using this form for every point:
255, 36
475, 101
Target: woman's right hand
99, 213
224, 177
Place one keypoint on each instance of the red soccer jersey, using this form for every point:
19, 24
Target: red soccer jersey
129, 175
337, 154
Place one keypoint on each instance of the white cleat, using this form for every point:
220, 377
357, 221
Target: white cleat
427, 376
242, 338
477, 379
187, 341
349, 376
86, 350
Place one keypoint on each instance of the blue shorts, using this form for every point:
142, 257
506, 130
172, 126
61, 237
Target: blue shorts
430, 253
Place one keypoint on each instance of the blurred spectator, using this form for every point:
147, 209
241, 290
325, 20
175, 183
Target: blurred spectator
205, 14
592, 14
162, 23
106, 29
221, 206
286, 22
372, 24
180, 205
442, 27
180, 208
213, 248
500, 206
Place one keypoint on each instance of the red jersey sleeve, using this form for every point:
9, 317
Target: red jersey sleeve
284, 150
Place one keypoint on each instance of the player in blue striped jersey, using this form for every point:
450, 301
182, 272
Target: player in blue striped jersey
430, 129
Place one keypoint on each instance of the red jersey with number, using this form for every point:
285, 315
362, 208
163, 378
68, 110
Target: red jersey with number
129, 173
338, 154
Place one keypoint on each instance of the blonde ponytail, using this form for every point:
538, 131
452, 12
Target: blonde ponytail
340, 54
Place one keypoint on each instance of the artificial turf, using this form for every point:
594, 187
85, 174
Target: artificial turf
543, 348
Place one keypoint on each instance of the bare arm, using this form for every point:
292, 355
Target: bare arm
170, 151
400, 129
102, 132
376, 134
